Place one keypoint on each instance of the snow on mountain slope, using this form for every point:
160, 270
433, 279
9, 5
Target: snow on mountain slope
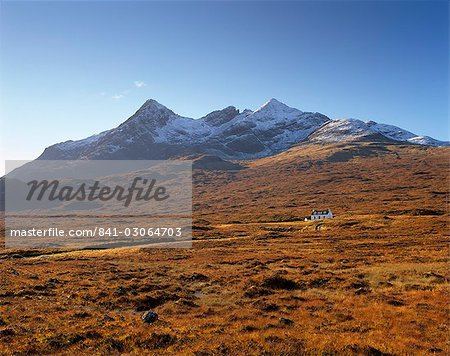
340, 130
390, 131
427, 141
353, 129
156, 132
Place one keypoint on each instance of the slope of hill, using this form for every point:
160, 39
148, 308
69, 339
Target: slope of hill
351, 178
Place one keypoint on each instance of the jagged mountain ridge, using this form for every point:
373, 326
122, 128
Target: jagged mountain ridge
156, 132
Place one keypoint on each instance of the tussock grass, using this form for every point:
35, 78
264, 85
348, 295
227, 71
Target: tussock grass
372, 281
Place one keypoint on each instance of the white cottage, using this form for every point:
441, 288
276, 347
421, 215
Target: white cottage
321, 214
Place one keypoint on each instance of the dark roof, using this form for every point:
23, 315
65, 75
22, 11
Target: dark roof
320, 212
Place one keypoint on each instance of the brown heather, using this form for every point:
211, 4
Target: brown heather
259, 280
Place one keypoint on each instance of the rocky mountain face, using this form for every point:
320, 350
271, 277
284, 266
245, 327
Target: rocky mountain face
156, 132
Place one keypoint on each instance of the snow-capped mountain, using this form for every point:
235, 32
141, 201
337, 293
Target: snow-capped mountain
156, 132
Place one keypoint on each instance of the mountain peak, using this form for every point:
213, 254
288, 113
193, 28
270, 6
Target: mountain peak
153, 105
273, 101
151, 111
275, 105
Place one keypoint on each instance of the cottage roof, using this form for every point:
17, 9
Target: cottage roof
320, 212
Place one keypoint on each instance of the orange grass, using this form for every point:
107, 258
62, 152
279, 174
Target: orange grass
374, 280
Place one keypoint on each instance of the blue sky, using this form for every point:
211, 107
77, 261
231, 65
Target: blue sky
72, 69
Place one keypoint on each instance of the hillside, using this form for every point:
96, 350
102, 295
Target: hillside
350, 178
259, 279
